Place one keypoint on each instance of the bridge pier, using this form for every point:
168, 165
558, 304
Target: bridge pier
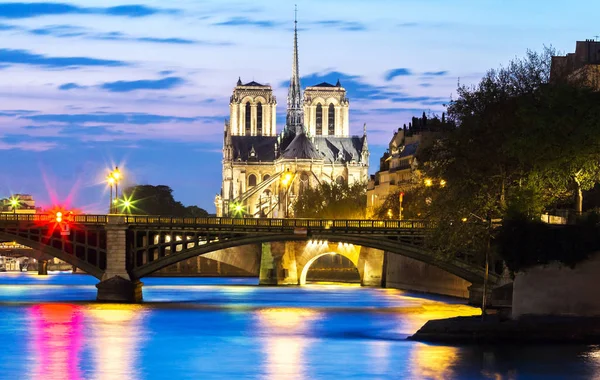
116, 284
42, 267
278, 264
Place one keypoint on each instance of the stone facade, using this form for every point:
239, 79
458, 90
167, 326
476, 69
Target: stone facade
265, 171
582, 66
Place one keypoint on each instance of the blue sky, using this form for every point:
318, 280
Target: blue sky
145, 85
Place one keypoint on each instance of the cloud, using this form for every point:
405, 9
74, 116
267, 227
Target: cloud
435, 73
70, 31
400, 72
70, 86
24, 57
425, 84
143, 84
20, 10
111, 118
355, 86
166, 72
351, 26
428, 100
33, 146
245, 21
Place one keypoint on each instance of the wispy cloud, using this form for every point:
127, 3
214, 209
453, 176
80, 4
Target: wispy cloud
33, 146
70, 86
70, 31
435, 73
20, 10
144, 84
351, 26
245, 21
356, 87
399, 72
25, 57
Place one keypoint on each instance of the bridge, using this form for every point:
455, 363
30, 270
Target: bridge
120, 250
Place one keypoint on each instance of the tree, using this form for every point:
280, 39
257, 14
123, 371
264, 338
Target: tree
332, 201
158, 200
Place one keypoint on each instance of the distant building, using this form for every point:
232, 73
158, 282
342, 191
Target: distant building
398, 167
583, 65
265, 171
26, 204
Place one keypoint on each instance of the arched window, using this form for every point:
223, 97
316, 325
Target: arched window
248, 118
251, 180
331, 120
319, 119
266, 177
303, 183
259, 119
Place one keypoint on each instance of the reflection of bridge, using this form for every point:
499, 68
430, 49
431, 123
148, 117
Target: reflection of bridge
119, 250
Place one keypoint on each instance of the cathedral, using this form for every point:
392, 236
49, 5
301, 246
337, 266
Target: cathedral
265, 171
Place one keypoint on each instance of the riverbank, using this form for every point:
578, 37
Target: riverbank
527, 329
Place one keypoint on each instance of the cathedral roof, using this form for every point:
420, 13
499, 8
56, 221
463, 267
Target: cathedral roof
264, 148
255, 84
324, 84
339, 149
302, 148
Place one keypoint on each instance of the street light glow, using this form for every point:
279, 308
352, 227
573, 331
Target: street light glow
442, 183
428, 182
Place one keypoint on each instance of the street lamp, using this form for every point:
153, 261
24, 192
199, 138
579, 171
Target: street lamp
286, 180
15, 203
113, 179
486, 276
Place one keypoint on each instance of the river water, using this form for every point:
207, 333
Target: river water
219, 328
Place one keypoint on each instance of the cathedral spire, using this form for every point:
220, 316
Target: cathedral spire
295, 114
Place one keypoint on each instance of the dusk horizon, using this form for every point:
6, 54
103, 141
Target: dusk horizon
90, 85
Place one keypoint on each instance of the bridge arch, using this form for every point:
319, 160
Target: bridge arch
454, 266
303, 268
54, 252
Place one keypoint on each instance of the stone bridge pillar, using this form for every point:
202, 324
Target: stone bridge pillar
116, 284
42, 267
278, 264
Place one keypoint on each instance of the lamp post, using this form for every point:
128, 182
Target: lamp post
113, 179
286, 181
400, 199
486, 275
14, 203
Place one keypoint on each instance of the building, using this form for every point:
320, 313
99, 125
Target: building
583, 65
19, 204
264, 171
398, 167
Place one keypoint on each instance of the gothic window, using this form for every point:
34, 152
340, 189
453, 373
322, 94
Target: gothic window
248, 118
251, 180
319, 119
266, 177
303, 183
331, 120
259, 122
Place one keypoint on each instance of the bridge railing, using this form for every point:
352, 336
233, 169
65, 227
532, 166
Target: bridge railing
244, 222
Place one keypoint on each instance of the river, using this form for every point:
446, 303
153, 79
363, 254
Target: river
225, 328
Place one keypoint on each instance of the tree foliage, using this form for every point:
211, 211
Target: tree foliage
158, 200
332, 201
521, 146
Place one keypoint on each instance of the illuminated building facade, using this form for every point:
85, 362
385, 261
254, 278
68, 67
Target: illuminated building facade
19, 204
265, 171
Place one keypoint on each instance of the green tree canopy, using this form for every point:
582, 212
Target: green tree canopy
332, 201
158, 200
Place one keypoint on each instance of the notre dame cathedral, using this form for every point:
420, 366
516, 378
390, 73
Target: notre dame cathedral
264, 171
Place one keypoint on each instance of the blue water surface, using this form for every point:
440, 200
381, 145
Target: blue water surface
228, 328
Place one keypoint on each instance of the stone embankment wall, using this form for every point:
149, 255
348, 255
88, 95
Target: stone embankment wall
555, 289
410, 274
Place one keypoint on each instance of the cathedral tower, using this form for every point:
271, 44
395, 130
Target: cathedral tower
252, 110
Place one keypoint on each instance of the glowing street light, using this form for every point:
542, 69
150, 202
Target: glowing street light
113, 179
15, 203
238, 209
428, 182
442, 183
286, 181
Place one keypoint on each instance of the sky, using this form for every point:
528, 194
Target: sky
86, 85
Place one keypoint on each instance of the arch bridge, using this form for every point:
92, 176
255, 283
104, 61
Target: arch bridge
120, 250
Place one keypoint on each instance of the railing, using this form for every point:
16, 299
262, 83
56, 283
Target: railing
213, 221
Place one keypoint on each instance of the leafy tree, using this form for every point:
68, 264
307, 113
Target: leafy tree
332, 201
158, 200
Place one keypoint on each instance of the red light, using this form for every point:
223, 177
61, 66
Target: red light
58, 217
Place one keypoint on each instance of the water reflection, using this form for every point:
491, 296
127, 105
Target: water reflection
433, 362
116, 333
285, 333
55, 341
